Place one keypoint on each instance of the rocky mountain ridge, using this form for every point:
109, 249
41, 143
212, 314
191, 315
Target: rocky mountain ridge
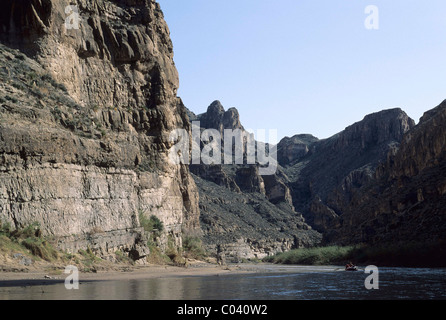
316, 179
406, 201
323, 174
245, 214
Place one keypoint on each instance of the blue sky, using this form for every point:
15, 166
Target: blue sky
308, 66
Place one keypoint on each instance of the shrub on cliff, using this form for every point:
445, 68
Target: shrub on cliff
30, 238
152, 224
193, 248
40, 248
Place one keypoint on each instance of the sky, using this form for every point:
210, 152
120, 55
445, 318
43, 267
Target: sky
309, 66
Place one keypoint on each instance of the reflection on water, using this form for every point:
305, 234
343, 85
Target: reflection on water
293, 283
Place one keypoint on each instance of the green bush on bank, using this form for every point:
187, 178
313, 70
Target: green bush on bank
407, 254
29, 238
193, 248
312, 256
192, 245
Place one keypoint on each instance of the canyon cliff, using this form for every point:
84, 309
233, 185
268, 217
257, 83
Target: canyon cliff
88, 101
380, 181
244, 214
86, 113
324, 174
405, 202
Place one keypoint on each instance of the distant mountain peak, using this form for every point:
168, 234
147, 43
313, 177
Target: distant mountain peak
217, 118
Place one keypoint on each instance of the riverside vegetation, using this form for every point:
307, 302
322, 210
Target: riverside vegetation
29, 247
410, 254
28, 244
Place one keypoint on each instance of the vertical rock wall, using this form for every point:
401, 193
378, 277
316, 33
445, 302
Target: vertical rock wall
88, 168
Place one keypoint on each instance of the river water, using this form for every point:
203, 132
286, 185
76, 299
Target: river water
269, 283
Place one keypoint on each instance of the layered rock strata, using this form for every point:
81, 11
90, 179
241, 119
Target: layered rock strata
85, 120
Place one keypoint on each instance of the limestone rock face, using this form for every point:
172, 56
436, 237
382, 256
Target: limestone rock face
120, 55
85, 122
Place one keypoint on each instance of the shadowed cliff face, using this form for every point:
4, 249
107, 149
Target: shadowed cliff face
406, 201
119, 54
24, 21
324, 174
291, 149
84, 137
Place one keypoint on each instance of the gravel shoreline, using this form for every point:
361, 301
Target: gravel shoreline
13, 279
39, 277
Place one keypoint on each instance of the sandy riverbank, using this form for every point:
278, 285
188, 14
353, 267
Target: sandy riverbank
126, 273
197, 268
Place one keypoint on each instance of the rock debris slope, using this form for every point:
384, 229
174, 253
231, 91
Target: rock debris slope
243, 213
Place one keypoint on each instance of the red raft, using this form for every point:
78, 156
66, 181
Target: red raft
352, 268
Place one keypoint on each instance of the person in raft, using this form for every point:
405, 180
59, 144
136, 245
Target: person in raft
349, 265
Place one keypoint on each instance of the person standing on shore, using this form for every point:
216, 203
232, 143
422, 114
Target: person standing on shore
221, 257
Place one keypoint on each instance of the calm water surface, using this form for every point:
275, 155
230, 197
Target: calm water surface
274, 283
